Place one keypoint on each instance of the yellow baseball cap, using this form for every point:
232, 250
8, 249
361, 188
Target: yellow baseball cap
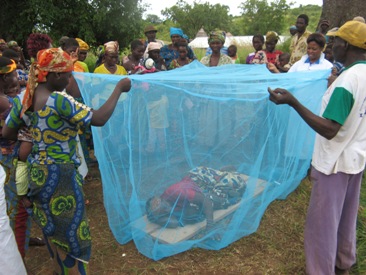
354, 32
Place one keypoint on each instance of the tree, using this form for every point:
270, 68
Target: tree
340, 11
260, 17
57, 18
153, 19
192, 18
117, 20
95, 21
16, 20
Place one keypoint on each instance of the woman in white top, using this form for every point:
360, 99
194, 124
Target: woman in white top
313, 60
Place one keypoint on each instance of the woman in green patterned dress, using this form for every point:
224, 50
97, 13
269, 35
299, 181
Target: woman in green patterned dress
55, 189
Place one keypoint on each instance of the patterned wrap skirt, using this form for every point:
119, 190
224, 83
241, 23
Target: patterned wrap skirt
59, 207
19, 219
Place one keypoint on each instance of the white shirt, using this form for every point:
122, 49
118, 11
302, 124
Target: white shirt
346, 152
304, 64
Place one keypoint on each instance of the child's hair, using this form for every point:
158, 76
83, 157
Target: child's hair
183, 44
136, 43
5, 61
285, 56
318, 38
71, 42
9, 53
233, 47
260, 36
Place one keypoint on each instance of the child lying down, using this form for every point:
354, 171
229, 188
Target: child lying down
195, 197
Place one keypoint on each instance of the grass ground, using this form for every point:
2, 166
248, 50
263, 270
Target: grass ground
276, 248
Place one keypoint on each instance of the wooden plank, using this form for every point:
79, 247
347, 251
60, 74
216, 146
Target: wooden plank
144, 224
175, 235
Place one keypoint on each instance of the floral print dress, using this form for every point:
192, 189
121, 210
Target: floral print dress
55, 186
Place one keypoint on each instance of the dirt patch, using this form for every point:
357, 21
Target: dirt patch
276, 248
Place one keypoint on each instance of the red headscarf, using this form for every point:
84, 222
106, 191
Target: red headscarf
48, 60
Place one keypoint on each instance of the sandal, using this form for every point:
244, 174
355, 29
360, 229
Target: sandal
37, 241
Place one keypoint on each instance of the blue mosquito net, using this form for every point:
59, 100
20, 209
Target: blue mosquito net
199, 143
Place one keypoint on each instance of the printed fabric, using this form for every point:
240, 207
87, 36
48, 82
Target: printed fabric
49, 60
208, 178
298, 47
175, 64
170, 53
59, 207
224, 60
54, 128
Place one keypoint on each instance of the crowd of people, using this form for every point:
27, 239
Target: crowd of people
40, 178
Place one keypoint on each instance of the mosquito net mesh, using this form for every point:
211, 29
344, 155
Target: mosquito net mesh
193, 157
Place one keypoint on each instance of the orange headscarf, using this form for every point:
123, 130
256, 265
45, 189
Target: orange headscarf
48, 60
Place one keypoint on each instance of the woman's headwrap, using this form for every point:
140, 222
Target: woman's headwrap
83, 46
10, 67
217, 36
153, 46
111, 47
48, 60
176, 31
12, 44
272, 36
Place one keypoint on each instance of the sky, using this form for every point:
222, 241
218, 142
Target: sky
156, 6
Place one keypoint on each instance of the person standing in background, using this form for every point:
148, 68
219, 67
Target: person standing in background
150, 33
111, 54
170, 52
298, 47
82, 54
10, 260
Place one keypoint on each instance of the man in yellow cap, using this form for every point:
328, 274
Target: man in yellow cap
339, 156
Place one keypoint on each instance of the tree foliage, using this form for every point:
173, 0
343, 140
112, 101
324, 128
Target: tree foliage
153, 19
96, 21
193, 17
16, 20
260, 17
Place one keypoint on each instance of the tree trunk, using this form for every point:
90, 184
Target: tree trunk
340, 11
